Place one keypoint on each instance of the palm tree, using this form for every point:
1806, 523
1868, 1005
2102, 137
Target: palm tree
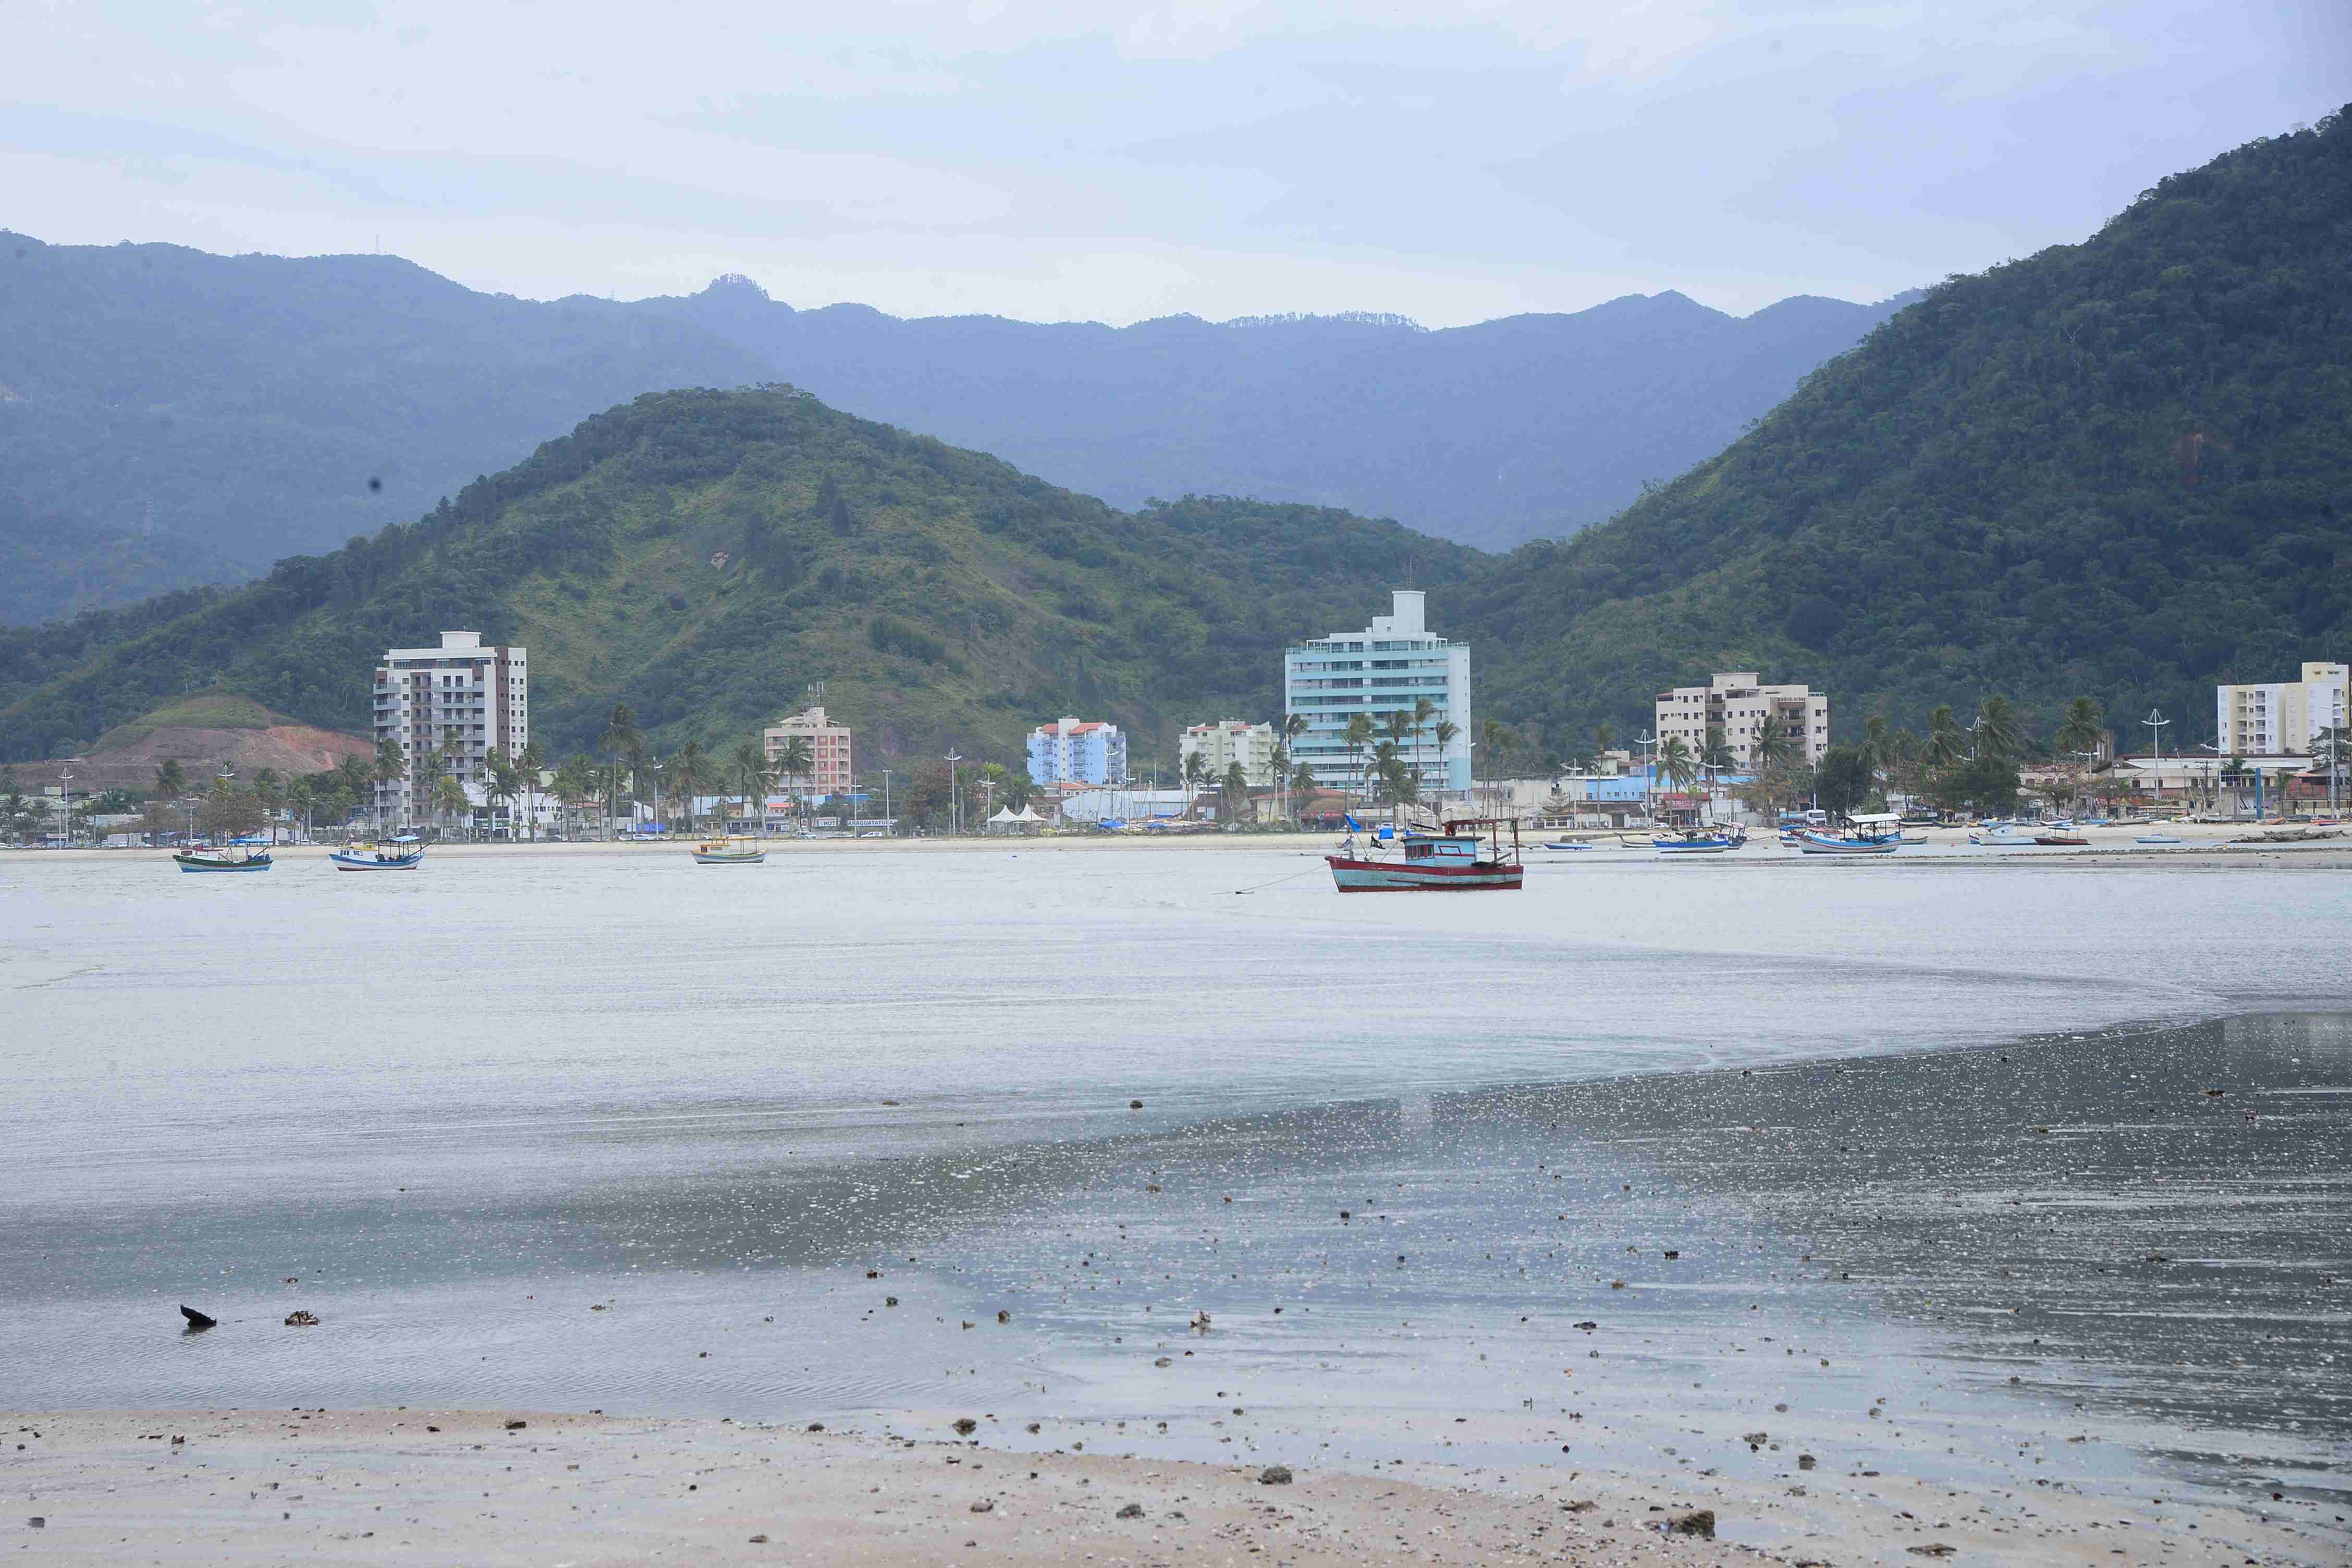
688, 772
1293, 726
502, 779
620, 737
1999, 731
1678, 763
390, 767
1359, 734
300, 795
531, 761
1603, 733
449, 796
1943, 743
171, 779
749, 762
1771, 747
1424, 710
1196, 778
2079, 731
575, 781
794, 763
1234, 788
270, 794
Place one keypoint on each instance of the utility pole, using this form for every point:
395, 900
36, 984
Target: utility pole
1649, 776
886, 800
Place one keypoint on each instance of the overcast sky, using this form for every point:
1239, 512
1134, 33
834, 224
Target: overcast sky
1048, 160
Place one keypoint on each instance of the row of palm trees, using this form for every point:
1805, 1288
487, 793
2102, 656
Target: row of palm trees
1378, 756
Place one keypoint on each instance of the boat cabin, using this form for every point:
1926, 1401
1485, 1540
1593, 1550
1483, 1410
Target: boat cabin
1444, 849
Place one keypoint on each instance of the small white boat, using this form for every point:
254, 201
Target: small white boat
1564, 844
2157, 838
730, 852
405, 853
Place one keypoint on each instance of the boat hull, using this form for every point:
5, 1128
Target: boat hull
1809, 845
369, 863
1353, 876
758, 857
257, 863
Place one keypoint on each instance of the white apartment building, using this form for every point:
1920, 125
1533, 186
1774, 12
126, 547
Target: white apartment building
1226, 742
830, 772
2282, 718
462, 699
1738, 703
1382, 670
1074, 753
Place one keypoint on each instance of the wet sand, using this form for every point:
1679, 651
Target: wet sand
434, 1486
2051, 1302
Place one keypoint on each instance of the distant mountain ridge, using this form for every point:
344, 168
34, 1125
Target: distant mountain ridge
255, 406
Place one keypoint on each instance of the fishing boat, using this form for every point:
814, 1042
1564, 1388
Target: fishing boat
2157, 838
1872, 834
221, 858
1693, 844
1565, 844
2060, 838
730, 852
2001, 836
405, 853
1453, 861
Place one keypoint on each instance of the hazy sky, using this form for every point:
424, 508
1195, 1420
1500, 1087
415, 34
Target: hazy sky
1046, 160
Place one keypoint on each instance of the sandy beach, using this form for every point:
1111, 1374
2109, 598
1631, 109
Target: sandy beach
528, 1486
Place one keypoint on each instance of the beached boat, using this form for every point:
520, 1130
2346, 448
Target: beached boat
405, 853
1454, 861
1696, 843
730, 852
2157, 838
1564, 844
2061, 840
1867, 835
219, 857
2001, 836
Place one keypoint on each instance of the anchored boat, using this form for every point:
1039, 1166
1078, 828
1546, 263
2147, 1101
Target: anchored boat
1453, 861
222, 857
1871, 834
405, 853
730, 852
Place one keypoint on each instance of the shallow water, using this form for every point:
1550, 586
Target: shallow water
461, 1108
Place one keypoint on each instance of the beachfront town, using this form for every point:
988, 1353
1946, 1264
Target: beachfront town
1375, 722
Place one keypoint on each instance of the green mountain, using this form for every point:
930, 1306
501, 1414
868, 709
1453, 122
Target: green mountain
52, 566
706, 556
255, 406
2122, 467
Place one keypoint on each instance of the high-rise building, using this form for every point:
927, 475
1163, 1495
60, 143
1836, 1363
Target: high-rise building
1738, 704
1074, 753
1226, 742
1388, 668
2282, 718
461, 699
830, 772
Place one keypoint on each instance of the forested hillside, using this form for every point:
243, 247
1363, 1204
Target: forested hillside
703, 556
52, 566
253, 406
2122, 467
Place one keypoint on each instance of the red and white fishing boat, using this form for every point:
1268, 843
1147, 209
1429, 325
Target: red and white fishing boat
1454, 861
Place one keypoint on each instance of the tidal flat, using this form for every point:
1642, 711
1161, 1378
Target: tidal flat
1399, 1200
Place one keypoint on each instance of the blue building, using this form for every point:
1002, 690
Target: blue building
1074, 753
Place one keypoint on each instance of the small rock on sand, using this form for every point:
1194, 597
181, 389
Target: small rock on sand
197, 1320
1132, 1510
965, 1426
983, 1506
1697, 1522
1273, 1476
1933, 1549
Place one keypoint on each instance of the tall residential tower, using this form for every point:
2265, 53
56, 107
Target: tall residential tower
1387, 667
460, 700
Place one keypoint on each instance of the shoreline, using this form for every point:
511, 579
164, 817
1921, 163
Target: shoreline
2206, 845
512, 1485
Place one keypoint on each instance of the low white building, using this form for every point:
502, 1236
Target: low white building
1226, 742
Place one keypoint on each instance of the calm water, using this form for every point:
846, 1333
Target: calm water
457, 1109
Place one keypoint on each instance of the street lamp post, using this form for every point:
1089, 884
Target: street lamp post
1649, 776
2155, 721
886, 800
955, 801
657, 774
65, 780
